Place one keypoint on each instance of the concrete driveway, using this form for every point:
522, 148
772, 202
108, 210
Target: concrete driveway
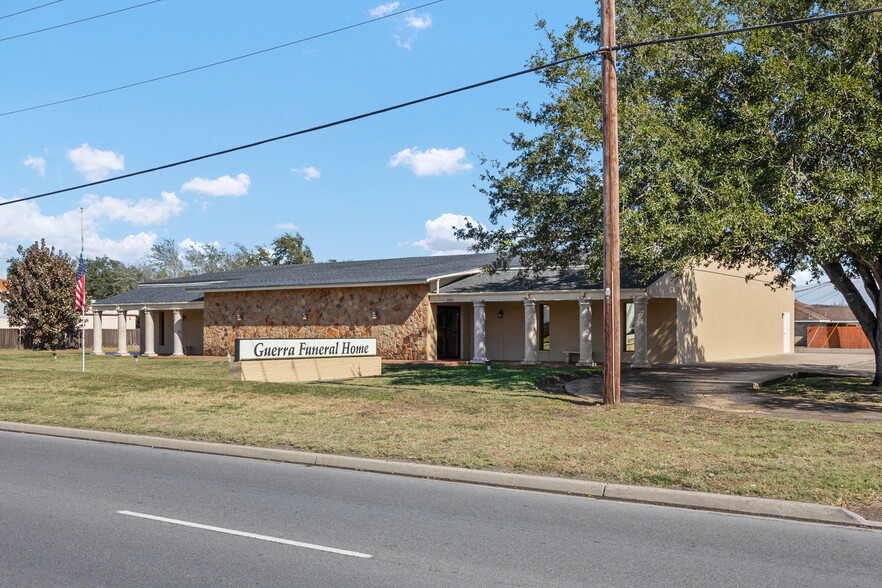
736, 386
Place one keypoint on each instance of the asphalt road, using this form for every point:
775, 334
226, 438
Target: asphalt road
80, 513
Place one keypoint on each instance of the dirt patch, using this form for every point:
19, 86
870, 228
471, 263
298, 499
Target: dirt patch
557, 383
871, 513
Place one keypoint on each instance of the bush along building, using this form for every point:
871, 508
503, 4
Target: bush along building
446, 308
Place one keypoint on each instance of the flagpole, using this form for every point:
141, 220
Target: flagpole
83, 323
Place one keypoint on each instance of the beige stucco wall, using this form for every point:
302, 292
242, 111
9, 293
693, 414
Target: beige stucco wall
720, 316
192, 332
563, 329
402, 327
505, 336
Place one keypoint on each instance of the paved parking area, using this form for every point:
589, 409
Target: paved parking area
735, 386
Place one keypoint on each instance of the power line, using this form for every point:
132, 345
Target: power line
425, 99
304, 131
73, 22
216, 63
30, 9
787, 23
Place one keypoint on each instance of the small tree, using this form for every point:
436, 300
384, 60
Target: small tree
289, 249
166, 260
40, 296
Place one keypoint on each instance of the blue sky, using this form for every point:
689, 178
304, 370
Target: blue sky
390, 186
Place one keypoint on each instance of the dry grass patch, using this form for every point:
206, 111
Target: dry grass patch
831, 389
459, 416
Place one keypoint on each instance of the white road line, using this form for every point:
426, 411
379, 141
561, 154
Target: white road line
245, 534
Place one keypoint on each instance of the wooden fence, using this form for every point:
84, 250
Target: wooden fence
12, 339
836, 337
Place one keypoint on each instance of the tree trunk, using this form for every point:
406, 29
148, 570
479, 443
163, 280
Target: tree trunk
867, 317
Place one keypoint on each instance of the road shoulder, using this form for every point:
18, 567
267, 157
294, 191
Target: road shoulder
668, 497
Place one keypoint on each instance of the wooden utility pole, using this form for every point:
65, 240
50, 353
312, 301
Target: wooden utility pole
612, 363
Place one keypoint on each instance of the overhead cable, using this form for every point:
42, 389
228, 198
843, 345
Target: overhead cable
73, 22
774, 25
30, 9
216, 63
419, 101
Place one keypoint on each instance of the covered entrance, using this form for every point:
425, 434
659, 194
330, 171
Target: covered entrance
449, 334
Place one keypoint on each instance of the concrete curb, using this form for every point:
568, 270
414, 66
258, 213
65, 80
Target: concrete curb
801, 511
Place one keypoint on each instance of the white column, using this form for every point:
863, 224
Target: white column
480, 351
149, 338
97, 343
178, 332
531, 333
121, 326
586, 345
640, 332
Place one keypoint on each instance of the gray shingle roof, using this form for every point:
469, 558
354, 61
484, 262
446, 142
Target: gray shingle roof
509, 281
400, 270
405, 270
154, 295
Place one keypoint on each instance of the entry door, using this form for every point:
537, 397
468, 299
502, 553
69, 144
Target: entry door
448, 332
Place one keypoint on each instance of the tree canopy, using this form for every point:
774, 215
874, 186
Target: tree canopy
167, 259
40, 296
107, 277
760, 149
290, 249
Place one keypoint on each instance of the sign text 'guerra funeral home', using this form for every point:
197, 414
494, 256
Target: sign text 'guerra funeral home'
250, 349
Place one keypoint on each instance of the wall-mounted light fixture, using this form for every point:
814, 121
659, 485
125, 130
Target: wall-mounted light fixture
373, 315
240, 315
500, 314
303, 315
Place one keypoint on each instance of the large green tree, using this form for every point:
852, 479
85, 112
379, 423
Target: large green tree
107, 277
760, 149
40, 296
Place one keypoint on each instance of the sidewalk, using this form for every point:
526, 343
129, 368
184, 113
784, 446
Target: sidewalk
735, 386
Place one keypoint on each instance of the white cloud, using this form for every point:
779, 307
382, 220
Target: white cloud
440, 238
286, 226
309, 173
95, 164
384, 9
145, 211
432, 162
222, 186
199, 246
418, 22
129, 249
413, 23
803, 277
23, 224
38, 163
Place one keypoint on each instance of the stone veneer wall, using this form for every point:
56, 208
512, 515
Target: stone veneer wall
402, 326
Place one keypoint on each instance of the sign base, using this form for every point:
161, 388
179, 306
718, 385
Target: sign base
306, 369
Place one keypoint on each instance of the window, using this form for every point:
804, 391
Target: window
628, 339
544, 327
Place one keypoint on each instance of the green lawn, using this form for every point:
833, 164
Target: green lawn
506, 419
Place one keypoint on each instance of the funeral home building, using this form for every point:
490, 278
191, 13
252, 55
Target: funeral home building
447, 308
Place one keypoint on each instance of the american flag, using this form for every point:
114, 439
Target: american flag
81, 285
